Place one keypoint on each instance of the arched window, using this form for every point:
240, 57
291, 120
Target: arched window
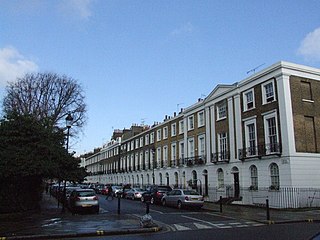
148, 179
254, 177
274, 175
220, 178
176, 180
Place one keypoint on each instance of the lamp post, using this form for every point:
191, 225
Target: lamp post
69, 120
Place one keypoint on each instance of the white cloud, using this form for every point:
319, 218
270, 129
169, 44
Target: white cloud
79, 7
310, 45
13, 65
186, 28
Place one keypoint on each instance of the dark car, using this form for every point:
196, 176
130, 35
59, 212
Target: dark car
154, 194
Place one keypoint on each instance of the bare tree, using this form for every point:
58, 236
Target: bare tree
48, 97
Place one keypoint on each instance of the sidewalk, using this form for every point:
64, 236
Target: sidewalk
50, 223
259, 214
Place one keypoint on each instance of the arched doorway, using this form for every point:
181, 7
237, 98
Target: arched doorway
206, 183
167, 178
236, 183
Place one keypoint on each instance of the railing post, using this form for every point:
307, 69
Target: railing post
220, 204
119, 204
268, 210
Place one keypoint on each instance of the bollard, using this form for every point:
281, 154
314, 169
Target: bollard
118, 204
220, 204
148, 207
268, 210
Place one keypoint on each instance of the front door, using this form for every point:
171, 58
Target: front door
236, 185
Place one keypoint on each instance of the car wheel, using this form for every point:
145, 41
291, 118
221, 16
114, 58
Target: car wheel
142, 199
152, 200
132, 198
179, 205
164, 202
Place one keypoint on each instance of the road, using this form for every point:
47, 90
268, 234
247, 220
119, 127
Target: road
201, 224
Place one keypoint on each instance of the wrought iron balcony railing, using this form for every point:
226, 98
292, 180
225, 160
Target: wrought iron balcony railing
220, 157
260, 151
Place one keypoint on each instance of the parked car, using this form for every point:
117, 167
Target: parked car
98, 188
117, 191
124, 192
81, 200
104, 190
183, 198
154, 193
135, 193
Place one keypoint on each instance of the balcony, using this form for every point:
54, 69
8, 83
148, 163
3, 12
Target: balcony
260, 151
197, 160
220, 157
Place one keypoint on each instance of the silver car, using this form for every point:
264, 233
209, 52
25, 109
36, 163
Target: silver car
82, 200
135, 193
183, 198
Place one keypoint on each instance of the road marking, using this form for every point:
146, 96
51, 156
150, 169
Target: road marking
201, 226
151, 210
181, 228
200, 220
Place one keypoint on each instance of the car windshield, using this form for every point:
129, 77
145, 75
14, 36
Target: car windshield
86, 194
190, 192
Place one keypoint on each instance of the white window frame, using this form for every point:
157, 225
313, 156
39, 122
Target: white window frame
264, 93
181, 126
141, 141
201, 119
219, 107
220, 175
151, 137
202, 145
247, 137
173, 152
147, 158
223, 146
173, 129
165, 132
158, 135
165, 155
137, 143
191, 149
158, 157
274, 176
254, 177
266, 117
132, 144
190, 123
181, 150
146, 139
245, 100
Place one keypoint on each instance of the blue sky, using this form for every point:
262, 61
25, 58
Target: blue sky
138, 61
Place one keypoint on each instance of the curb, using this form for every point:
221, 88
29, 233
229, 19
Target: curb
88, 234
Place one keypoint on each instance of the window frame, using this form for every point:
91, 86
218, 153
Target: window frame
264, 92
245, 100
201, 119
248, 139
190, 122
267, 141
173, 129
221, 105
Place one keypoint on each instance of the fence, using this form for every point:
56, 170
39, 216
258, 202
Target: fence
281, 198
